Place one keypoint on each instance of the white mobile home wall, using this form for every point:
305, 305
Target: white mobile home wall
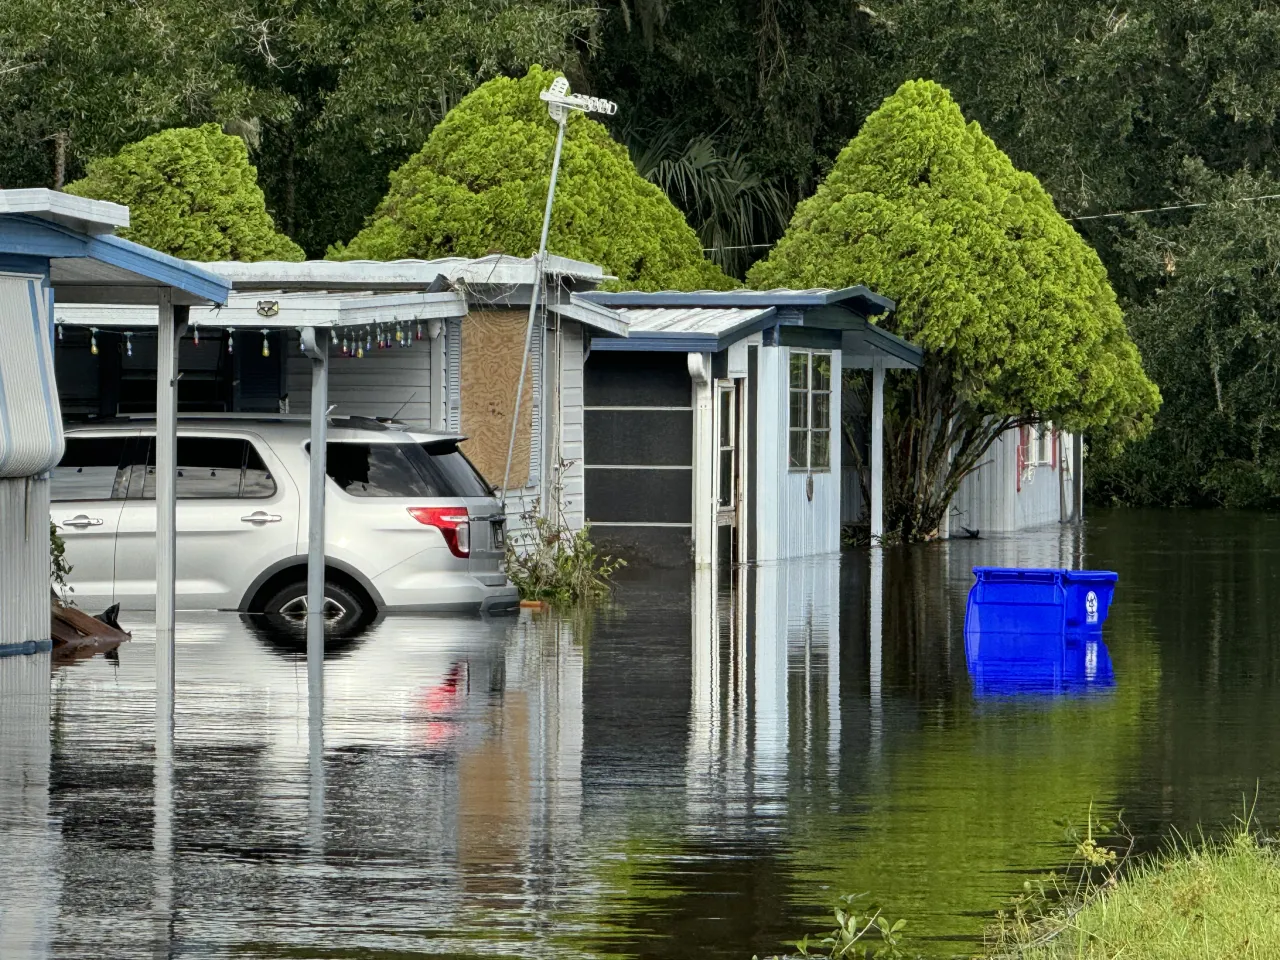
31, 444
788, 523
383, 383
991, 499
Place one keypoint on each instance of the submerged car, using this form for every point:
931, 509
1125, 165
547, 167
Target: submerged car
410, 525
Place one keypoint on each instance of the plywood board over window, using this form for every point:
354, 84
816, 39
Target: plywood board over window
492, 348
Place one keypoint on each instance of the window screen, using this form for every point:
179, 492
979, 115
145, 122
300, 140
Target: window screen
90, 470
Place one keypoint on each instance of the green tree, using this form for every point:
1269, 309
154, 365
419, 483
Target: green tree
1014, 310
82, 78
479, 185
367, 81
1207, 318
192, 193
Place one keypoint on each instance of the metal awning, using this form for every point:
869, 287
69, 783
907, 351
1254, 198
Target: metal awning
275, 310
497, 270
71, 238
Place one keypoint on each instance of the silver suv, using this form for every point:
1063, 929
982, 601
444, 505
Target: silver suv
410, 524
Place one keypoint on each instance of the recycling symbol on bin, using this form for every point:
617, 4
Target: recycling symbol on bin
1090, 607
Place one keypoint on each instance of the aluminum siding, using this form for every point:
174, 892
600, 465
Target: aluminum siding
384, 383
789, 524
572, 450
24, 560
30, 416
989, 499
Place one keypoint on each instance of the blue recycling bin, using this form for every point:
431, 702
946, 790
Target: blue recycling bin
1040, 601
1037, 630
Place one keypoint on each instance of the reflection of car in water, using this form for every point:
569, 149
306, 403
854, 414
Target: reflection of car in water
410, 524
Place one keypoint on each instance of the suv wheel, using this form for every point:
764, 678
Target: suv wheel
287, 608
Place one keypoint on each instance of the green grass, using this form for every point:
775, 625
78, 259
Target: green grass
1213, 899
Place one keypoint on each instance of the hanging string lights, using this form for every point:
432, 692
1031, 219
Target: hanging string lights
128, 343
93, 340
266, 347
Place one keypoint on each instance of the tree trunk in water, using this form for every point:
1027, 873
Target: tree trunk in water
933, 440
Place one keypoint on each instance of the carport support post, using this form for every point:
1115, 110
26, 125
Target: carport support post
316, 343
877, 451
171, 323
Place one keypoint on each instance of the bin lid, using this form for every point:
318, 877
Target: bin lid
1044, 573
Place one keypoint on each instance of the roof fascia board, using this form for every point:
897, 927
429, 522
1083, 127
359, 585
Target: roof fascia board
77, 213
658, 343
166, 270
591, 315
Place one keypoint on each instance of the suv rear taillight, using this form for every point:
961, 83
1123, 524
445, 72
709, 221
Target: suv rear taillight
450, 522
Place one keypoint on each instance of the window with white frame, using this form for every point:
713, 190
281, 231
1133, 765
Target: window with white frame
809, 436
1037, 443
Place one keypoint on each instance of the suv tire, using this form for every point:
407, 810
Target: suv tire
286, 609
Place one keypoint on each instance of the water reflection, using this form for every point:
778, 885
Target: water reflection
693, 774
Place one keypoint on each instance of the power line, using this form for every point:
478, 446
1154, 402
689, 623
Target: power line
1176, 206
1089, 216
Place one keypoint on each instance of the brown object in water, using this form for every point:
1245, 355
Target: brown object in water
77, 635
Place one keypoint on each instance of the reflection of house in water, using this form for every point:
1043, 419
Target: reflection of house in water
28, 846
766, 686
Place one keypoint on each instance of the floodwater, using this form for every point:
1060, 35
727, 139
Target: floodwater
697, 772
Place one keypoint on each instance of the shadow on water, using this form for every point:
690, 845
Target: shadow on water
696, 772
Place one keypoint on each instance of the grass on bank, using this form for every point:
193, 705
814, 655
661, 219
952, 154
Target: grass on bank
1212, 899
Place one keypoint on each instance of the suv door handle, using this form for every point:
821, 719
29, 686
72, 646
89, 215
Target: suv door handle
82, 521
259, 517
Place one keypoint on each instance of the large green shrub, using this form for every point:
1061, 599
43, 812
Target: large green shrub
1014, 309
479, 184
192, 193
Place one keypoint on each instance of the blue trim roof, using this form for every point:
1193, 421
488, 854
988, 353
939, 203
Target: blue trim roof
30, 236
857, 298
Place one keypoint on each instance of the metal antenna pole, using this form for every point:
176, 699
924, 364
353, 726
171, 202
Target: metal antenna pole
533, 303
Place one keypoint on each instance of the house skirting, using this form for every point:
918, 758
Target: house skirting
24, 564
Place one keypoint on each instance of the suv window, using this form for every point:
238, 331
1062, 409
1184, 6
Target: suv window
435, 469
452, 471
90, 470
375, 470
210, 468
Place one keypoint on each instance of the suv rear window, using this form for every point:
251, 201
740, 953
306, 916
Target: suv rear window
406, 470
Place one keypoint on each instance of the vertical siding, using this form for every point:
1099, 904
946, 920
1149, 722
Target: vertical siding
989, 500
789, 524
453, 365
383, 383
24, 560
572, 450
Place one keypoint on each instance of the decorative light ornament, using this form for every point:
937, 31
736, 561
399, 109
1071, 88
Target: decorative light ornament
195, 335
418, 333
59, 333
231, 341
128, 344
266, 347
93, 340
344, 345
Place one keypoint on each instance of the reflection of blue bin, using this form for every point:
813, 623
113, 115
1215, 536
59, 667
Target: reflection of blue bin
1037, 630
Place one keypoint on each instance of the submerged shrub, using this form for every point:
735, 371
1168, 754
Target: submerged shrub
551, 562
191, 193
479, 186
